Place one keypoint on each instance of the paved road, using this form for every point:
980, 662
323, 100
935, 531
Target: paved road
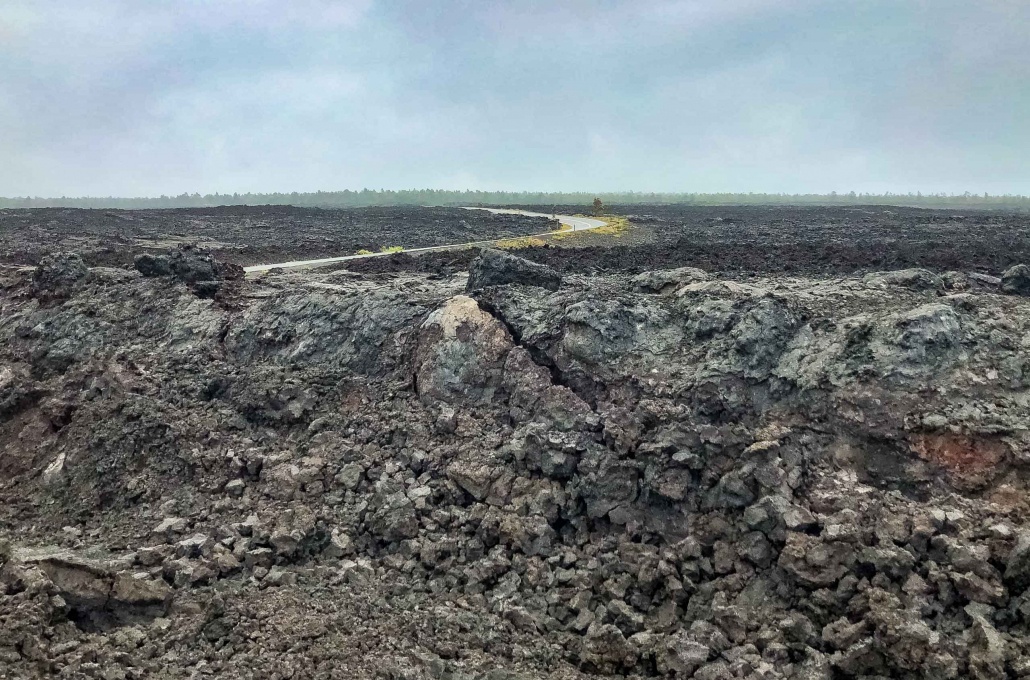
574, 224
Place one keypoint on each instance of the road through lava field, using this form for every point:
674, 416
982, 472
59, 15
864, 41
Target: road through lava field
755, 240
740, 239
246, 235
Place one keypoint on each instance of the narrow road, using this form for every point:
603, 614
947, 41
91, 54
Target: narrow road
573, 224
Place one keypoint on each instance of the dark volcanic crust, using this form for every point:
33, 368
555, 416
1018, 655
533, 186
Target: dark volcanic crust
734, 239
314, 474
245, 235
769, 240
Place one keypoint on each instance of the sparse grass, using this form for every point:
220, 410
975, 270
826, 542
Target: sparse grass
521, 242
616, 226
392, 249
363, 252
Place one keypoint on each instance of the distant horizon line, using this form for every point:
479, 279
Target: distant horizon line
577, 192
351, 198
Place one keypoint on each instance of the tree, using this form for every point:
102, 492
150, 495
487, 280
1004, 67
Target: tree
598, 207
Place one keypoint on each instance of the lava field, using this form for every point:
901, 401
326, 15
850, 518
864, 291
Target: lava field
752, 443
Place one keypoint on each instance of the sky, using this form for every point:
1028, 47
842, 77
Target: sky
152, 97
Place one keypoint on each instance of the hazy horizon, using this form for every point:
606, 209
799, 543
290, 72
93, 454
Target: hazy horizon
143, 99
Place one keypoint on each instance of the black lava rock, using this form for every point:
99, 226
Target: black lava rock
1016, 280
497, 268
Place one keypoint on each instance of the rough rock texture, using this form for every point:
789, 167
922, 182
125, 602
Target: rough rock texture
1016, 280
667, 280
498, 268
916, 279
461, 353
192, 266
674, 475
255, 234
57, 275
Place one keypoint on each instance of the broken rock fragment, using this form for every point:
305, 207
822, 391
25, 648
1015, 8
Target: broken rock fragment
915, 279
667, 280
1016, 280
57, 275
202, 272
93, 584
461, 352
497, 268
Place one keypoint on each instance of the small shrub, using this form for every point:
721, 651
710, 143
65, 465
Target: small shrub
392, 249
363, 252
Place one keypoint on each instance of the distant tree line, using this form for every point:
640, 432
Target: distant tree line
437, 197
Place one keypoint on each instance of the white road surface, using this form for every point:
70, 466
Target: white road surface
573, 223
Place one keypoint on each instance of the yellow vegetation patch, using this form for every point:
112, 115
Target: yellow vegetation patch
392, 249
363, 252
521, 242
616, 226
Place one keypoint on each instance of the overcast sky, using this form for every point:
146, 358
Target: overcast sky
150, 97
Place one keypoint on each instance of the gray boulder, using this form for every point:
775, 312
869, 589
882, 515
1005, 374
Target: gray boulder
497, 268
152, 266
666, 280
1016, 280
58, 274
914, 279
984, 279
94, 584
190, 265
460, 354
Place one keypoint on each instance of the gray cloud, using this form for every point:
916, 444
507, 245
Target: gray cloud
136, 97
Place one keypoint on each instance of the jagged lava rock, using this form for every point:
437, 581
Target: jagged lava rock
190, 265
345, 476
498, 268
1016, 280
58, 274
461, 353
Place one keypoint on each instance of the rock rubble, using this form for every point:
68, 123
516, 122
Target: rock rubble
671, 475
